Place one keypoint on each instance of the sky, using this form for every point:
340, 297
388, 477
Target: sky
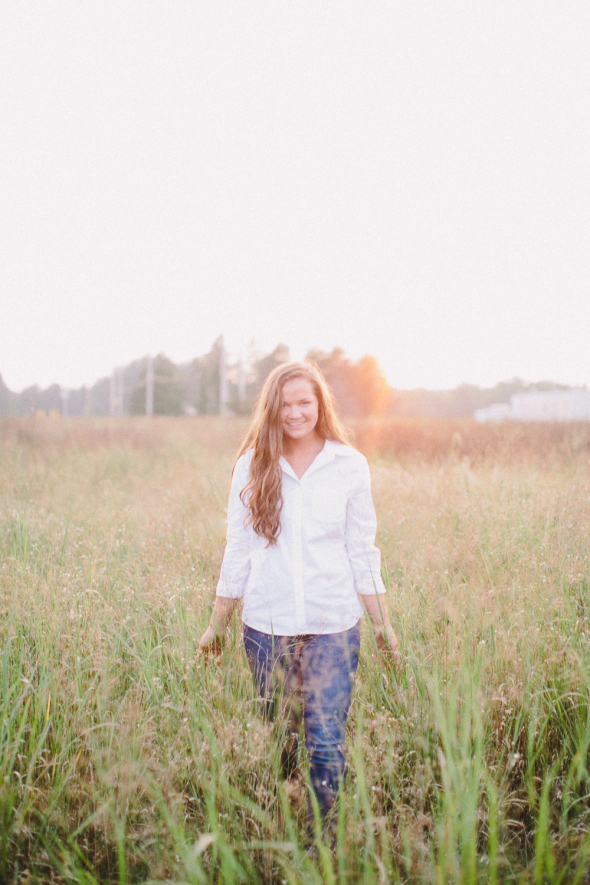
405, 179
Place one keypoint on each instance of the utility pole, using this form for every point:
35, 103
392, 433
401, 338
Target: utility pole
112, 394
149, 386
223, 391
241, 384
65, 395
117, 393
121, 392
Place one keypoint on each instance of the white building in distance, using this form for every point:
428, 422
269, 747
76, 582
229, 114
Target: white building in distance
540, 405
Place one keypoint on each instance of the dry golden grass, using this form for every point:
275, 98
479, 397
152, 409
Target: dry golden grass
440, 439
122, 761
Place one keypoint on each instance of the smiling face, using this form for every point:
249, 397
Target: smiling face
299, 408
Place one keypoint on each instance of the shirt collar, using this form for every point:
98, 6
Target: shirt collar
330, 451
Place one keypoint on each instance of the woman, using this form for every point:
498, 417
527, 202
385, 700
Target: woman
300, 554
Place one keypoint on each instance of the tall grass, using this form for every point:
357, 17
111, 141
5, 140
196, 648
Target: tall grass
121, 760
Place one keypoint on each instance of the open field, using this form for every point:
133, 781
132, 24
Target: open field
121, 761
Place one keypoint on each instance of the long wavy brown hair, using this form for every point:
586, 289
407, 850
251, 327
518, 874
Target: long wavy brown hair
262, 494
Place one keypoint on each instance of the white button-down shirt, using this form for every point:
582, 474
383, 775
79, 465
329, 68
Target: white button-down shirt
325, 554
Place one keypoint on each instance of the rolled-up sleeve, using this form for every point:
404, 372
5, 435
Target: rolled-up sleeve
235, 567
361, 528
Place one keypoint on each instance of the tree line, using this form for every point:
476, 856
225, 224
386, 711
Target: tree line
197, 388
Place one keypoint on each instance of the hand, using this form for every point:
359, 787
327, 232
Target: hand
385, 638
213, 639
387, 643
211, 643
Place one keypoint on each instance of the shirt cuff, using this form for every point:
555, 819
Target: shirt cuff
371, 588
228, 591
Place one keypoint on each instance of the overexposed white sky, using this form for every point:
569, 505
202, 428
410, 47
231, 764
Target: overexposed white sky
406, 179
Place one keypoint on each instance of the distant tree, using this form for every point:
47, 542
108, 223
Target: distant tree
199, 380
191, 377
337, 369
167, 390
7, 399
29, 400
250, 375
263, 366
361, 390
372, 389
33, 398
462, 401
99, 397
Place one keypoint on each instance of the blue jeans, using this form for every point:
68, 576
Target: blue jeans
314, 672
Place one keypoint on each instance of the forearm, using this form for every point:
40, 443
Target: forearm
385, 637
222, 613
374, 605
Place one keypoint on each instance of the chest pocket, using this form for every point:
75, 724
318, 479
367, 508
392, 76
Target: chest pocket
328, 504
